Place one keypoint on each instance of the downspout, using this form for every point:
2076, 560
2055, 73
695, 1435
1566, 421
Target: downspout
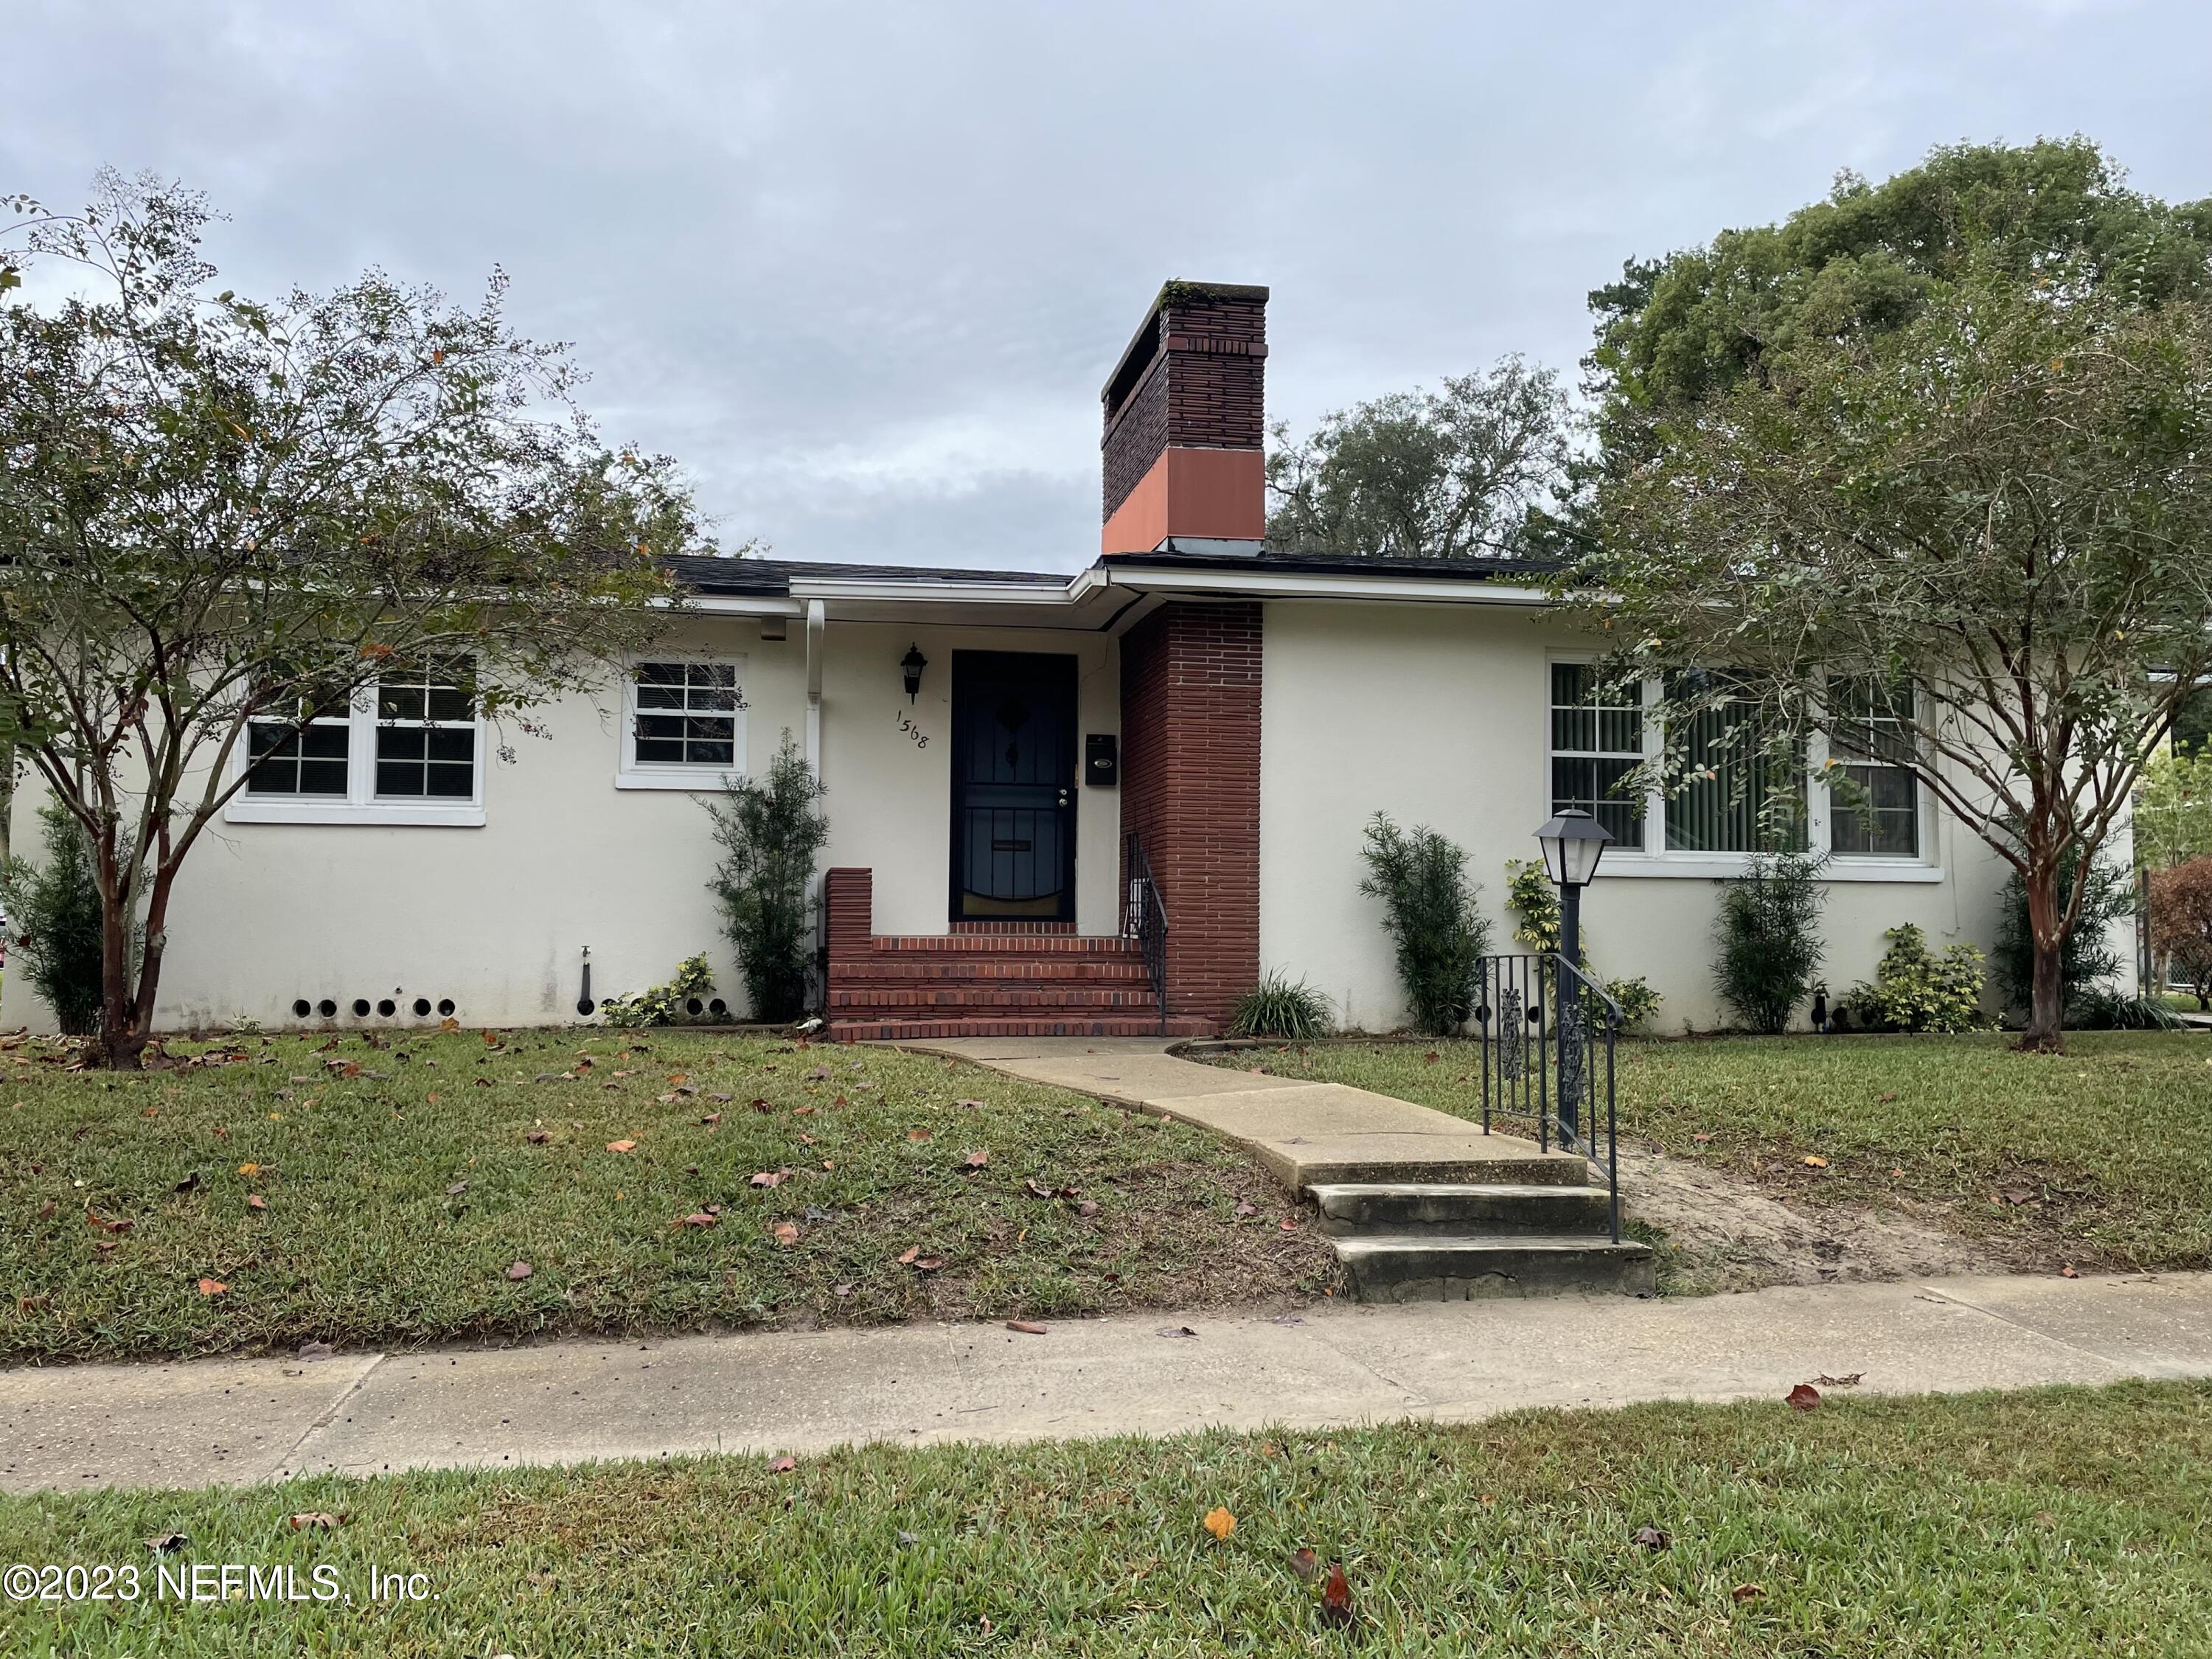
817, 625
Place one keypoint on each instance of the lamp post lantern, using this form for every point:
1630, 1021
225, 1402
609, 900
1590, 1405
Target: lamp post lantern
1573, 842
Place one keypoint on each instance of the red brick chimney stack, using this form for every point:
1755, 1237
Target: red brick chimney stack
1185, 421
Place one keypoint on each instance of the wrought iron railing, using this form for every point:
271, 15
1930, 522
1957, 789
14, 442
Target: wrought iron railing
1144, 919
1548, 1032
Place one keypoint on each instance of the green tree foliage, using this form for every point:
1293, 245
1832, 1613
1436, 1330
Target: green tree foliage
2174, 809
770, 833
1949, 440
2087, 958
1452, 473
1769, 933
1429, 911
1534, 903
217, 510
53, 921
2181, 923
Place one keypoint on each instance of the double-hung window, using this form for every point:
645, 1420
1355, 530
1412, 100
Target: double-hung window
1736, 790
407, 749
1597, 740
1874, 809
683, 724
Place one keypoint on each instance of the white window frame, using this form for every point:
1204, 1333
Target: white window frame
361, 804
632, 774
1653, 859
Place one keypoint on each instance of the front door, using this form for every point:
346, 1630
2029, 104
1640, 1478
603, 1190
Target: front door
1013, 786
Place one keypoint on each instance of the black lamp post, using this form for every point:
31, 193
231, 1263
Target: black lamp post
1573, 842
911, 665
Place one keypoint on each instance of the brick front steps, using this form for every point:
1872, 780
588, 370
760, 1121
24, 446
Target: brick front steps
889, 988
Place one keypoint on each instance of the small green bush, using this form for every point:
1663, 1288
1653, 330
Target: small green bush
770, 834
1535, 903
2101, 1008
1429, 911
54, 921
1280, 1007
1915, 990
2087, 957
1639, 1001
663, 1005
1769, 933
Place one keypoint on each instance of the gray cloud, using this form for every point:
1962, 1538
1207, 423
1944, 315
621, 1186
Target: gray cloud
863, 268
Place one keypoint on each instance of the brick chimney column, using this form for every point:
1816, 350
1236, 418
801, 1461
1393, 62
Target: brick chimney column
1185, 421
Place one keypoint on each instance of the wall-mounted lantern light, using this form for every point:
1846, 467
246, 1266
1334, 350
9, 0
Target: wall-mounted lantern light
911, 665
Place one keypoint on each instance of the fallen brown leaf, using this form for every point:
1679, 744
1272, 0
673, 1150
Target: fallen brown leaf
2068, 1273
1651, 1538
917, 1134
1219, 1522
519, 1271
1848, 1380
1747, 1592
976, 1160
212, 1287
1336, 1597
1813, 1161
1802, 1398
622, 1145
538, 1137
315, 1521
781, 1465
770, 1178
255, 1202
697, 1219
1306, 1564
1025, 1327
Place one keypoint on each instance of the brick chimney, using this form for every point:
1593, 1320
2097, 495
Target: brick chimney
1185, 417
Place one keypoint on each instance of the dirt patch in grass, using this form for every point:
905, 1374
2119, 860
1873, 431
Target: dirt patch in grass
1717, 1232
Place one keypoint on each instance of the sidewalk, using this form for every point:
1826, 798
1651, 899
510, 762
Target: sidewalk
238, 1421
1303, 1132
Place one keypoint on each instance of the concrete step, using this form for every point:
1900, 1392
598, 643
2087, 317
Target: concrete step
1397, 1268
1074, 1026
1433, 1209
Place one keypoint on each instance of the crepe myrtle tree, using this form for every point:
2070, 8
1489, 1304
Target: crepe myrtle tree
1987, 525
217, 512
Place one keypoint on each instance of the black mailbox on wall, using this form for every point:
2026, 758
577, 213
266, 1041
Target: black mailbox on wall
1102, 758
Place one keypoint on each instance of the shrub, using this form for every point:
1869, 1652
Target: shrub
770, 834
2087, 958
663, 1005
2101, 1008
1535, 903
1278, 1007
1639, 1001
1915, 990
1429, 909
54, 920
2181, 923
1769, 934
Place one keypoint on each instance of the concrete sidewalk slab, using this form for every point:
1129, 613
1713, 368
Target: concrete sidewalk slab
233, 1422
190, 1424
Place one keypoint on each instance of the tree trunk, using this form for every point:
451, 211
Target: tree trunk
2046, 1013
122, 1040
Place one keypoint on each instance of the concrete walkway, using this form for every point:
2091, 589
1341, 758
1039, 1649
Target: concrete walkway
1306, 1133
236, 1421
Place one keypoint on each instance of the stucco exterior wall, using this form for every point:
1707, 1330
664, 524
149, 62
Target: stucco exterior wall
495, 917
1438, 715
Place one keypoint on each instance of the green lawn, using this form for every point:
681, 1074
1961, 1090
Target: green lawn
2049, 1523
396, 1198
2101, 1157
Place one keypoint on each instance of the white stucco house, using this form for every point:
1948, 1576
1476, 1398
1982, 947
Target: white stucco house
1001, 751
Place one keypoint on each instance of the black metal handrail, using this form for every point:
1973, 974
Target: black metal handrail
1551, 1077
1144, 919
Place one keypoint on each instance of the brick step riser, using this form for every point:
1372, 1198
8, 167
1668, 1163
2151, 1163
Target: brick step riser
941, 997
984, 975
915, 1030
1007, 945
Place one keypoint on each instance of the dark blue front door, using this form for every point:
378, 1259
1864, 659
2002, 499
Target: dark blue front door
1013, 786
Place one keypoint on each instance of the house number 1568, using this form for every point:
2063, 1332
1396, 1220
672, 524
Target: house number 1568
920, 737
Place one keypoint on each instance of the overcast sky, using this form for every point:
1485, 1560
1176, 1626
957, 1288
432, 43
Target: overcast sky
863, 268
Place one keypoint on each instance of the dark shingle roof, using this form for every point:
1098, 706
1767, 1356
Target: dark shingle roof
774, 576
